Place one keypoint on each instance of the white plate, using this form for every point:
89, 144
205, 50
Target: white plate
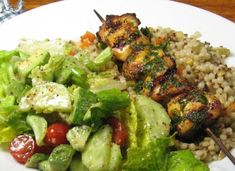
70, 19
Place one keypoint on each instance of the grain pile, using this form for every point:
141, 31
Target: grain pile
204, 65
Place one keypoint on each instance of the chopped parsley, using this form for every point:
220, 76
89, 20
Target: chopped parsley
138, 86
153, 66
146, 32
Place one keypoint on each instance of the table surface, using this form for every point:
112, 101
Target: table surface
225, 8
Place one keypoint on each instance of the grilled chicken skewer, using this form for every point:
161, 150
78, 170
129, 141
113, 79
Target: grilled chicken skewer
154, 71
190, 110
141, 61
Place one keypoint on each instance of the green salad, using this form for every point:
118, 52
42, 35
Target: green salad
65, 106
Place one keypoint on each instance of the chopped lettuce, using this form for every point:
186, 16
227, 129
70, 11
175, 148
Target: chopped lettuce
156, 157
54, 47
17, 121
25, 67
12, 125
95, 115
152, 157
95, 63
71, 72
105, 80
7, 135
46, 72
5, 56
84, 99
5, 79
90, 108
12, 122
17, 89
183, 161
129, 118
113, 99
7, 105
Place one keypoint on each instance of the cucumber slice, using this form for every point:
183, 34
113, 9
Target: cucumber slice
77, 165
61, 157
115, 158
34, 161
39, 126
96, 154
103, 57
45, 166
153, 120
77, 136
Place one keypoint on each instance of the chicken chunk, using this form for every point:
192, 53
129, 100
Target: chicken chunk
121, 33
146, 62
116, 30
169, 86
191, 112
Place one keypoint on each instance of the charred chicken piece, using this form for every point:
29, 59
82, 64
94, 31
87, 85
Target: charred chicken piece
169, 86
134, 65
193, 111
147, 62
120, 33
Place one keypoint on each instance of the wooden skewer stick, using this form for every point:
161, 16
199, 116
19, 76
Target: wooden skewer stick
219, 142
208, 130
99, 16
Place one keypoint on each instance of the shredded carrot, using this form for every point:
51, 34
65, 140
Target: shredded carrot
87, 39
88, 36
231, 108
159, 40
85, 44
180, 69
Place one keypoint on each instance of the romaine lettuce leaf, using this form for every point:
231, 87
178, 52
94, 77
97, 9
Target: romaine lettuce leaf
129, 118
105, 80
17, 121
7, 135
113, 99
184, 161
12, 125
152, 157
5, 56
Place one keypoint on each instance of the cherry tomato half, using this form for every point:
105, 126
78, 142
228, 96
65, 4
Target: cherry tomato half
22, 148
56, 134
119, 131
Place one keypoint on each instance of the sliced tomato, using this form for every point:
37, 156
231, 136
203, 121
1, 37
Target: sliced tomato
119, 131
22, 148
56, 134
